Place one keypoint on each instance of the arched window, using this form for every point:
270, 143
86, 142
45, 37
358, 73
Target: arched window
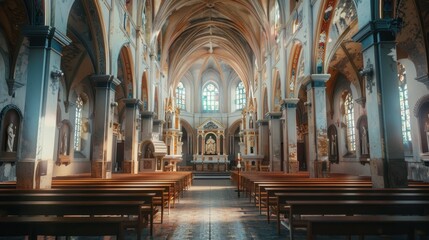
405, 109
350, 122
181, 96
78, 124
210, 98
240, 96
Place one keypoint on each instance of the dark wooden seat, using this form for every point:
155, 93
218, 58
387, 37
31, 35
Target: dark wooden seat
367, 225
64, 226
78, 208
345, 207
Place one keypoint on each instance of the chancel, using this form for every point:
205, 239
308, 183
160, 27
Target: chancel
214, 119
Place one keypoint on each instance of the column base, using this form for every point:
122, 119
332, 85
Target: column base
128, 167
32, 174
397, 173
321, 169
293, 166
100, 169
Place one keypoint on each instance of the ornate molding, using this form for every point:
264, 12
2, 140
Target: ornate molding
12, 85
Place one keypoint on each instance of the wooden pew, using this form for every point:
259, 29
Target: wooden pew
367, 225
76, 208
344, 207
311, 192
93, 194
332, 184
64, 226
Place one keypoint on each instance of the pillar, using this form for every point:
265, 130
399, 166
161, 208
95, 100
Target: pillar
317, 124
388, 167
35, 164
290, 135
274, 124
147, 125
132, 122
263, 143
101, 162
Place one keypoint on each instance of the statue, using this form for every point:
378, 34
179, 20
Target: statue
64, 143
333, 144
10, 137
364, 140
210, 146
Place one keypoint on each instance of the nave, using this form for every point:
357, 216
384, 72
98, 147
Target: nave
210, 209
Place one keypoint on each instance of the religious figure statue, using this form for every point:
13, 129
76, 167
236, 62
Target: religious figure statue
210, 146
64, 143
364, 140
10, 137
333, 144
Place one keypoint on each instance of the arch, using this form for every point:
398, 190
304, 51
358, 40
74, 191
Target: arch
421, 112
277, 91
293, 69
126, 73
333, 11
145, 92
91, 36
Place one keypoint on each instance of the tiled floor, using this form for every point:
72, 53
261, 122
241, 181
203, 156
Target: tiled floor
212, 210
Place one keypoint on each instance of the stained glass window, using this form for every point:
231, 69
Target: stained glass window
240, 96
350, 122
78, 124
210, 98
181, 96
405, 109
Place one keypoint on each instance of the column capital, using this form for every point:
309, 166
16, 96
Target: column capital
289, 103
132, 102
42, 36
380, 30
316, 80
273, 115
147, 114
105, 81
262, 122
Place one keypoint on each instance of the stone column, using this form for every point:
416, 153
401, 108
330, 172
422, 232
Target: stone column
101, 162
132, 122
147, 125
35, 155
388, 167
274, 124
317, 124
263, 135
289, 107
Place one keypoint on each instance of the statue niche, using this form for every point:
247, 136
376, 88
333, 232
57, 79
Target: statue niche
10, 126
210, 145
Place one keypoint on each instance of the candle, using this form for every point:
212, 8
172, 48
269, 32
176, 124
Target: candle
238, 155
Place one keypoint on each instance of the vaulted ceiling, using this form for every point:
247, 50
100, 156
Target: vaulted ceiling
196, 32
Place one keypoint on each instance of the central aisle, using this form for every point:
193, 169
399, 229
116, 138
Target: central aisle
211, 210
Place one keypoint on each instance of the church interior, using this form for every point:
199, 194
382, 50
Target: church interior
149, 93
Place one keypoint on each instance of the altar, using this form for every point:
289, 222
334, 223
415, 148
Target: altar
210, 154
214, 163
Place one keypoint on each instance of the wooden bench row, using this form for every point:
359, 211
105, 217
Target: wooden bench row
296, 196
125, 195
